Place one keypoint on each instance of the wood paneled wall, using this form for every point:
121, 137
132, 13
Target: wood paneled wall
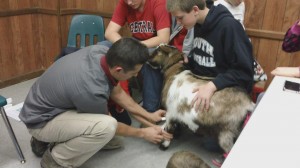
266, 22
29, 37
32, 32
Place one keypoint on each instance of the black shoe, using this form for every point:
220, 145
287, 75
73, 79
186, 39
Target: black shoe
115, 143
48, 161
38, 147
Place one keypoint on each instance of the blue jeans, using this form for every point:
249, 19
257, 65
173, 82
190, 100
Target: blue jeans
152, 87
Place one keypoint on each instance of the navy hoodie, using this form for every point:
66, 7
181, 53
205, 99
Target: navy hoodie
222, 49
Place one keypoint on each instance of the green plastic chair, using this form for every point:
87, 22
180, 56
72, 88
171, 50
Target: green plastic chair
85, 25
3, 102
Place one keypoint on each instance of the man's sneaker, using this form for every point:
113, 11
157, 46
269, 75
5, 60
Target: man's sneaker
218, 161
38, 147
48, 161
114, 143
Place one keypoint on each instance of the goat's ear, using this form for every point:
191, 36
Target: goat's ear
167, 48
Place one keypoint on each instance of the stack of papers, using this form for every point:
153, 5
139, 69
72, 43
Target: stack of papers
13, 111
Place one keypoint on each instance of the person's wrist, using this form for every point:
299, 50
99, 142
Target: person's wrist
141, 133
299, 71
149, 116
213, 87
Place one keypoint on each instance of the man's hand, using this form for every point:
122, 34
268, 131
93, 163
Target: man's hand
155, 134
203, 95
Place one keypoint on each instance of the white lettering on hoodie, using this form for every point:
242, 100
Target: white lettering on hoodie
203, 45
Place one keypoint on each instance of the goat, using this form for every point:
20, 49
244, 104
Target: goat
186, 159
227, 110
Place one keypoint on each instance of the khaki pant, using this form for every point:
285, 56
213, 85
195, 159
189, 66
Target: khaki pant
78, 136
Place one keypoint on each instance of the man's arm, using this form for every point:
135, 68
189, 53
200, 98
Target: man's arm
112, 32
152, 134
163, 36
124, 100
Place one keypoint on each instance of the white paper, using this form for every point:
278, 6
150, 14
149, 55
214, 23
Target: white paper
14, 111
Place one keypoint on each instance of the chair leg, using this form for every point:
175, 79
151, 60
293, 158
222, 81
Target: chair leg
12, 135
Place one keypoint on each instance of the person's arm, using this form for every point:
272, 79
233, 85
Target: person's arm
287, 71
188, 43
112, 32
239, 59
291, 42
118, 20
162, 19
163, 36
124, 100
201, 101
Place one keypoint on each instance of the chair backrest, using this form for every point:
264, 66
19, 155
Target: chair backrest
87, 27
2, 101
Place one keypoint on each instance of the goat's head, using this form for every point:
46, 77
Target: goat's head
165, 56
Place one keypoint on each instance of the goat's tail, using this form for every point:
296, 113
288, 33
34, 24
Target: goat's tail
251, 107
249, 113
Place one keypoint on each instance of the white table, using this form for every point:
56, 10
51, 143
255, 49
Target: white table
271, 139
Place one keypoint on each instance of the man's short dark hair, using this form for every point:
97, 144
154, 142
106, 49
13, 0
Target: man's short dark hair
127, 53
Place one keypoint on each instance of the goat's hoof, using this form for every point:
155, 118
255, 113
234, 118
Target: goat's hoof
162, 147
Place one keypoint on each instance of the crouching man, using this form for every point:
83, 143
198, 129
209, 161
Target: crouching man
67, 105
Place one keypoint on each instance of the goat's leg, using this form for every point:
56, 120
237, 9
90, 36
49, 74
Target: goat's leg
226, 140
170, 127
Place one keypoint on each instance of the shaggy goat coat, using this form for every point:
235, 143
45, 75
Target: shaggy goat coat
228, 107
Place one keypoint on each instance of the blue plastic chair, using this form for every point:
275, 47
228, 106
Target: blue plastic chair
85, 25
3, 102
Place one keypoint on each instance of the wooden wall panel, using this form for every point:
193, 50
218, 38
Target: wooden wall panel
254, 12
266, 22
6, 52
48, 4
50, 39
272, 20
29, 38
15, 4
4, 4
17, 46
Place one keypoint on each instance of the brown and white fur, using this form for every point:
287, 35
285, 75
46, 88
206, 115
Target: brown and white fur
228, 107
186, 159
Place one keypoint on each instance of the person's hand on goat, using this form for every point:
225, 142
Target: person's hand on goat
203, 95
155, 134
